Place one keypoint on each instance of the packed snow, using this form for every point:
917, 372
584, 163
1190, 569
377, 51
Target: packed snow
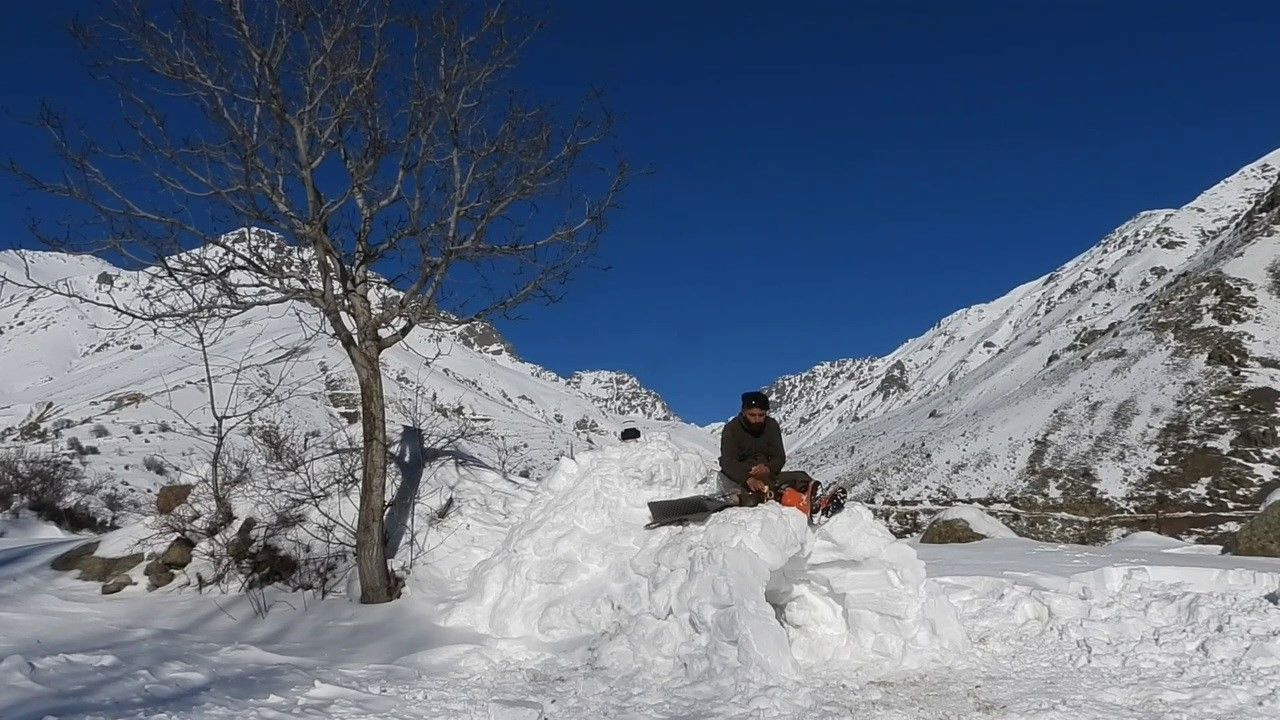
751, 592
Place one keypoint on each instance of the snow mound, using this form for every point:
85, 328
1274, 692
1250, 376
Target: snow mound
979, 521
751, 590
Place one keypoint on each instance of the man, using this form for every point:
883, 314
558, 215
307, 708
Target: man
752, 456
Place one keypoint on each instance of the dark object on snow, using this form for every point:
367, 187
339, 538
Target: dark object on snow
171, 496
178, 554
116, 584
947, 532
630, 434
742, 446
697, 508
687, 509
755, 399
92, 567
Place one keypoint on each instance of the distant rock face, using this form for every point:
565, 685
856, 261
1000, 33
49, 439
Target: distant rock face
485, 338
1140, 379
621, 394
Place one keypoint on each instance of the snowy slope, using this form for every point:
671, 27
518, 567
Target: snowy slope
621, 394
1140, 376
126, 392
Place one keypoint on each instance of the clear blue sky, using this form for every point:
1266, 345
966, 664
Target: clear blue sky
829, 179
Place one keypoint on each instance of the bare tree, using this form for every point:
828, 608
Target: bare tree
382, 168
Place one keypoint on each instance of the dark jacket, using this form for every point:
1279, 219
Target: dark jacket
740, 449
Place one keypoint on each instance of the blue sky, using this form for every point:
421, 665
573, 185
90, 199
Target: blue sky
829, 179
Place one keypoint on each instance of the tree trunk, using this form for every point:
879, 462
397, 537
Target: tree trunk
371, 541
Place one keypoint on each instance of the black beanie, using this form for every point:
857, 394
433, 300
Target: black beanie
755, 399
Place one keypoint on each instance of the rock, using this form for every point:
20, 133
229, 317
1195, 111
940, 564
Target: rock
171, 496
116, 584
178, 554
944, 532
70, 560
238, 547
92, 567
269, 565
158, 575
1261, 535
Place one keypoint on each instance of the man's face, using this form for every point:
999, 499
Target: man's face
755, 416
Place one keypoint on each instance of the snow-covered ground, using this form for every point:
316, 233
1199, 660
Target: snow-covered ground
570, 609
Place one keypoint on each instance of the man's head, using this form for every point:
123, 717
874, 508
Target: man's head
755, 407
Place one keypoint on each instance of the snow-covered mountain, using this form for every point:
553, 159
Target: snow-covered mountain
621, 394
128, 392
1140, 377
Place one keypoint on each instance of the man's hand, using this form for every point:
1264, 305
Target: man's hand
758, 486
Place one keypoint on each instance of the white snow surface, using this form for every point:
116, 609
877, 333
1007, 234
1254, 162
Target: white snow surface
569, 609
752, 591
978, 521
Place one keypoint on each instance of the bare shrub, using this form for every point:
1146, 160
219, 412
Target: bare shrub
56, 489
156, 465
100, 431
79, 448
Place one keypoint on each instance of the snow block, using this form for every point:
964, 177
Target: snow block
752, 590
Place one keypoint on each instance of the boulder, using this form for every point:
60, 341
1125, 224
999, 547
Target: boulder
964, 524
92, 567
238, 547
944, 532
71, 559
178, 554
158, 575
1261, 535
171, 496
116, 584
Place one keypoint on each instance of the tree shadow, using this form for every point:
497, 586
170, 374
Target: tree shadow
183, 654
412, 458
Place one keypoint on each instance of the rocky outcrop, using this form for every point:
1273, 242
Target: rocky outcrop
618, 393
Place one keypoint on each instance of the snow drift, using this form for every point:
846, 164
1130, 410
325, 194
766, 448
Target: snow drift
753, 590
